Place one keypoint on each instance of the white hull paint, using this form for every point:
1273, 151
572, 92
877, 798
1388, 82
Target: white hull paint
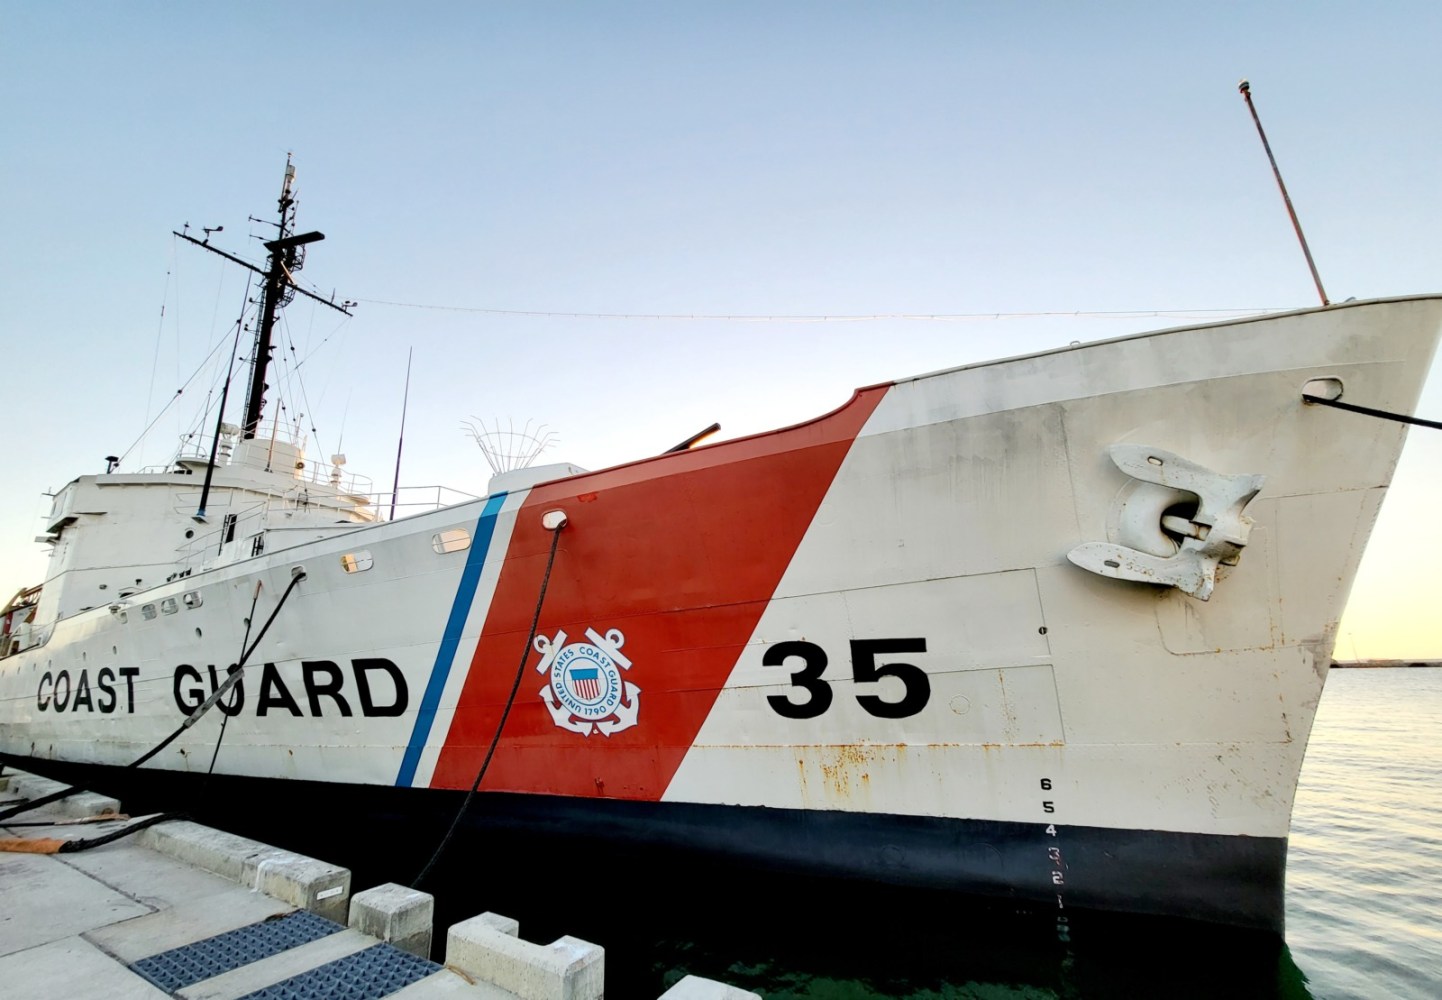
1146, 708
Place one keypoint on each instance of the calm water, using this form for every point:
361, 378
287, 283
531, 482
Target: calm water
1363, 914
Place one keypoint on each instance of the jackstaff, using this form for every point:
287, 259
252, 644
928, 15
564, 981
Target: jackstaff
1246, 90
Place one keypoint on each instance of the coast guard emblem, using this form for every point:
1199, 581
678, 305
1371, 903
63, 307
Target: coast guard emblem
585, 692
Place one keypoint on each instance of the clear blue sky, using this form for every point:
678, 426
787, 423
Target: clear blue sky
752, 158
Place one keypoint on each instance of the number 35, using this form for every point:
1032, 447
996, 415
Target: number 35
864, 669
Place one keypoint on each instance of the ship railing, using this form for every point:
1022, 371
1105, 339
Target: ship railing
235, 523
196, 448
231, 522
410, 500
311, 497
404, 502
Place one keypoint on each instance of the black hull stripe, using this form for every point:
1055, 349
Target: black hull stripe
1228, 880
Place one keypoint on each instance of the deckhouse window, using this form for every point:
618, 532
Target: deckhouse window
168, 606
147, 611
356, 562
451, 540
192, 599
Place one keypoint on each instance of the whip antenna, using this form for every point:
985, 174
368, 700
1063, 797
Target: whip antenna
1246, 90
405, 404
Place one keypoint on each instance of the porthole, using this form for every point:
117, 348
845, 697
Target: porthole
197, 633
451, 540
356, 562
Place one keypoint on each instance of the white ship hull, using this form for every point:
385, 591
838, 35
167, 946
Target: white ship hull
860, 642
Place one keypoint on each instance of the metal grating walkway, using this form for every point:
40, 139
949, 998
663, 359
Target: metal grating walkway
369, 974
180, 967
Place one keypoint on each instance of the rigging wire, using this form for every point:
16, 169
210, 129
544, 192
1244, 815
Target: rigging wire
312, 351
221, 380
839, 317
300, 380
290, 382
221, 270
163, 409
218, 381
309, 409
159, 332
294, 362
178, 392
344, 415
286, 417
197, 428
297, 575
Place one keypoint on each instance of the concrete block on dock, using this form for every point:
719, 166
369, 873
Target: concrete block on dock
696, 988
317, 886
32, 786
394, 913
487, 948
83, 804
76, 806
506, 925
215, 851
301, 881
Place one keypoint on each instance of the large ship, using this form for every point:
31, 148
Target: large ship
1051, 629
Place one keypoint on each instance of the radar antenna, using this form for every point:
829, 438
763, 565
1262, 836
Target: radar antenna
509, 448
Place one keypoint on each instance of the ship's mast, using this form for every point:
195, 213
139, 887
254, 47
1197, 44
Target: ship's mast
286, 257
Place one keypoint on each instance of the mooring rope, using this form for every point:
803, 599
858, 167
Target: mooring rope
1369, 411
224, 715
57, 845
496, 739
220, 692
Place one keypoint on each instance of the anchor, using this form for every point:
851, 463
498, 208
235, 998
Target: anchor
1214, 535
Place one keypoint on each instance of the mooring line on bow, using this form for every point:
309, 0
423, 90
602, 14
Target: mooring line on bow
1370, 412
553, 521
297, 574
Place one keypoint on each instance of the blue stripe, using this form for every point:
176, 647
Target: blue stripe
460, 609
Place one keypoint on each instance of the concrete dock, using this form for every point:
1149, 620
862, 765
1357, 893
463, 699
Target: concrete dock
181, 910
